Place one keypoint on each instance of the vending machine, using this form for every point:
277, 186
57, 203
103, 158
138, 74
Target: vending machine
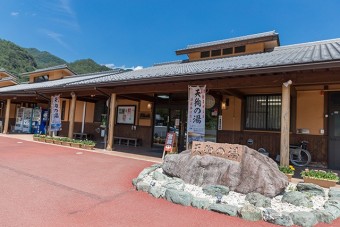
44, 121
19, 119
27, 120
36, 120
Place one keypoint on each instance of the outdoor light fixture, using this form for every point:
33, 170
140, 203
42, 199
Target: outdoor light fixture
218, 198
223, 105
149, 106
286, 84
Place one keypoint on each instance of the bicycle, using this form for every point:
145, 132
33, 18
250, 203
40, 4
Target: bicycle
298, 154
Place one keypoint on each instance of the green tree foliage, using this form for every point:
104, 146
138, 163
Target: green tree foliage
87, 66
15, 59
44, 59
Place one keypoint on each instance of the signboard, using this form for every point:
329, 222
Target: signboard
232, 152
126, 115
55, 113
196, 113
170, 143
219, 127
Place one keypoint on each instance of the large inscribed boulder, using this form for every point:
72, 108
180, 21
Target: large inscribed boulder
238, 167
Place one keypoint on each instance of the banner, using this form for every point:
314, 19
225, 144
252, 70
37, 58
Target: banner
196, 114
55, 113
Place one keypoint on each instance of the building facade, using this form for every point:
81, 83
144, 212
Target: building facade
257, 91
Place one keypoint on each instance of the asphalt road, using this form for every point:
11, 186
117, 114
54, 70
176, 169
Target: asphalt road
49, 185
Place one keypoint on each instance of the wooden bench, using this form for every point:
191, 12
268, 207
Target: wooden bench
127, 139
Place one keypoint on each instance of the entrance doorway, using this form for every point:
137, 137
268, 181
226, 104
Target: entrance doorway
334, 131
170, 120
171, 114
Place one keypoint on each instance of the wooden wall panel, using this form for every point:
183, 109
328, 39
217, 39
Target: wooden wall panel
271, 142
144, 133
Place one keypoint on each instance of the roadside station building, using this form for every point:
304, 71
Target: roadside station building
256, 89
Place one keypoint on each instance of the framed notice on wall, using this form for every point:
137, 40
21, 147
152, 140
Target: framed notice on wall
126, 115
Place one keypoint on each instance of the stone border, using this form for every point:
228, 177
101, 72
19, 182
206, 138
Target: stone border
302, 204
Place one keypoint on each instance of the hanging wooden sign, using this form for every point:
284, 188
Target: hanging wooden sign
170, 143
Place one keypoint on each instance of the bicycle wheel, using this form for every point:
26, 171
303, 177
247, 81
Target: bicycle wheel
299, 156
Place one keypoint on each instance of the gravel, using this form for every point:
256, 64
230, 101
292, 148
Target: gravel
238, 199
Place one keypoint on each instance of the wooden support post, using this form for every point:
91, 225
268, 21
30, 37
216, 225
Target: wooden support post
72, 115
6, 123
285, 123
111, 122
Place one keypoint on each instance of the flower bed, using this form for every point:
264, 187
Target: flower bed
86, 144
320, 177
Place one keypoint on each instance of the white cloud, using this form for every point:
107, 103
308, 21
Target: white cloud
113, 66
55, 36
137, 68
61, 12
14, 14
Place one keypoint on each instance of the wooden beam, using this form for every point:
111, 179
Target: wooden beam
234, 92
285, 123
72, 115
111, 122
8, 109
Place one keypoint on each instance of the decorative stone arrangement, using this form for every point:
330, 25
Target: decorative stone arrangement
240, 168
303, 204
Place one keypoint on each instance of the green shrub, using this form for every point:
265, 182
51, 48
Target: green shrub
76, 141
320, 174
89, 142
287, 169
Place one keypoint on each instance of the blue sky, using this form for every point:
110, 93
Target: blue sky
143, 32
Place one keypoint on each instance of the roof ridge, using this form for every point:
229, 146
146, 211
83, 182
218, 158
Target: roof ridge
312, 43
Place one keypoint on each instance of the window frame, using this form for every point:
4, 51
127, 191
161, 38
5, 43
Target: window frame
266, 123
203, 54
240, 49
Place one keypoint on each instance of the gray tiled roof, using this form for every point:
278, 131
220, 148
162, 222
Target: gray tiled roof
64, 66
284, 56
54, 83
231, 40
297, 55
10, 75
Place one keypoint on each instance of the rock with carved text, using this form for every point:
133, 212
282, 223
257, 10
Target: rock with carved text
251, 172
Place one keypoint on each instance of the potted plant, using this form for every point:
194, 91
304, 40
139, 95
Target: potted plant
66, 141
42, 138
88, 144
76, 143
36, 137
322, 178
49, 139
288, 171
57, 140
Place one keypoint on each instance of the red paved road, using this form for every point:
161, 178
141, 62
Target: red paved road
47, 185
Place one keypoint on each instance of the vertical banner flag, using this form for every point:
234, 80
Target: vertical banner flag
55, 113
196, 113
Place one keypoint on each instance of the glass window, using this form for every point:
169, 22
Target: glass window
228, 51
41, 78
240, 49
263, 112
216, 53
205, 54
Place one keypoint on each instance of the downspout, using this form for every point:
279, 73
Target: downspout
83, 120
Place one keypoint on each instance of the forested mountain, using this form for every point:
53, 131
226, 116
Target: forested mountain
87, 66
44, 59
17, 60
